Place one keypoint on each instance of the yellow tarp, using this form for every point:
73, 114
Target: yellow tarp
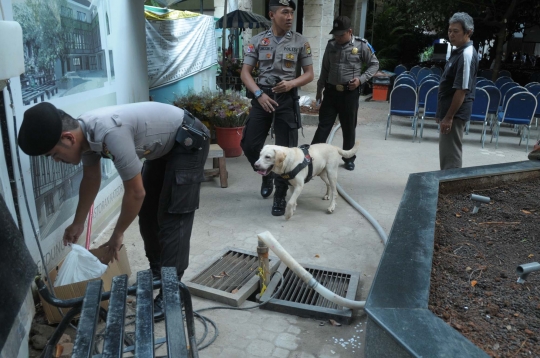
170, 15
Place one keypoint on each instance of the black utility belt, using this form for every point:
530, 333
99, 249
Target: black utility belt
340, 88
192, 134
268, 91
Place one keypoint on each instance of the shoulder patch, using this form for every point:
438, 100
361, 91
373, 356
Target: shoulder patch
250, 48
307, 48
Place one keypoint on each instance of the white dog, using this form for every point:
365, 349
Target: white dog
283, 161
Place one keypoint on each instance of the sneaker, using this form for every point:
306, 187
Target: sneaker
278, 209
267, 185
159, 312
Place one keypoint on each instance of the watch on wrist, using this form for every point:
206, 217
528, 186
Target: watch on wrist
258, 93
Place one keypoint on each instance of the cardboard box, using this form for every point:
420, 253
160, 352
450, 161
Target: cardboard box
78, 289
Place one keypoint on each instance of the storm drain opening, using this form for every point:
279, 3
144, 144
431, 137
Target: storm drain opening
296, 298
230, 278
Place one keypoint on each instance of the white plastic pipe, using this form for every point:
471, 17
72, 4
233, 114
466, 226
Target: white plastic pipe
291, 263
353, 203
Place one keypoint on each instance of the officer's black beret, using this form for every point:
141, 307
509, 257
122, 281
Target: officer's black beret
341, 25
41, 129
289, 3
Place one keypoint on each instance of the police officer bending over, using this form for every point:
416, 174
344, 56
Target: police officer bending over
341, 78
164, 192
279, 51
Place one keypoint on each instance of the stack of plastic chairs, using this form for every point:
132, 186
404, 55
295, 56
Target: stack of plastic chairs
403, 103
430, 108
400, 69
519, 110
480, 112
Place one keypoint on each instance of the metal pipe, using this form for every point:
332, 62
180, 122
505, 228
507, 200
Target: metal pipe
264, 264
478, 200
525, 269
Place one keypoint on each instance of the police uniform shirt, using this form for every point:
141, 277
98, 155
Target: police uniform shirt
277, 58
342, 63
127, 133
459, 73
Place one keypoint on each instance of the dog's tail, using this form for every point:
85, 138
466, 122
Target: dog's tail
351, 152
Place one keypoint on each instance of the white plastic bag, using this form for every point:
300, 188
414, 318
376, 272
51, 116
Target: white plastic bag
79, 265
305, 101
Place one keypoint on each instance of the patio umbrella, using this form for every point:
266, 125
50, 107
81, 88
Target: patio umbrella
240, 19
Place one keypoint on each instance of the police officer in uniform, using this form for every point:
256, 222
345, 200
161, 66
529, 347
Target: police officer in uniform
340, 79
278, 51
164, 191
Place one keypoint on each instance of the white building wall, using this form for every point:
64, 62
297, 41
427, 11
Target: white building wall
318, 19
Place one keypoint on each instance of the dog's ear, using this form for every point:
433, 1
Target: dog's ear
280, 157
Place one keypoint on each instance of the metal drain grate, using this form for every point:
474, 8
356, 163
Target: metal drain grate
296, 298
230, 278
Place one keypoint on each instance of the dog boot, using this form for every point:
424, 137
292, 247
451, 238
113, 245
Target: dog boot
278, 209
267, 185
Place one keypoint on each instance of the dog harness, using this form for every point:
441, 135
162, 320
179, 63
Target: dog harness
307, 162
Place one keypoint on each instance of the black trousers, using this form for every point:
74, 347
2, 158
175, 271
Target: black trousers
172, 184
259, 123
344, 104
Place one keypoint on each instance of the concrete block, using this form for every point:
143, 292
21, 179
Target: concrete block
287, 341
260, 348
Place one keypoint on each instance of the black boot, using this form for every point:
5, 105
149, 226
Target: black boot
278, 209
267, 185
155, 267
349, 162
159, 312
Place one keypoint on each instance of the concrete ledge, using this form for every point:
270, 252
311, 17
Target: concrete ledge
399, 322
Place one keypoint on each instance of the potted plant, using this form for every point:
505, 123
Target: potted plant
229, 116
224, 113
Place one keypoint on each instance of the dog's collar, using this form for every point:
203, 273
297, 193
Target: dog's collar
307, 162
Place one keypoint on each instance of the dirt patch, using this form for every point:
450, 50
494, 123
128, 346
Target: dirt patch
311, 109
473, 277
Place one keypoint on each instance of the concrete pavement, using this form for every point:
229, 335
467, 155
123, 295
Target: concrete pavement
234, 216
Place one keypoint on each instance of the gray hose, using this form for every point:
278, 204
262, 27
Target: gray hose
353, 203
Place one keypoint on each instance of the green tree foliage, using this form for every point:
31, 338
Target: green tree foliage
43, 35
494, 19
395, 40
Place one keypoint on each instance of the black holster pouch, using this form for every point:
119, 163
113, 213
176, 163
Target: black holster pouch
192, 134
296, 104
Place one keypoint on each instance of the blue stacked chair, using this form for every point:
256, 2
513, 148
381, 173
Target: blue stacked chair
430, 108
480, 112
405, 80
506, 87
531, 84
509, 93
494, 102
436, 70
519, 110
424, 72
415, 70
403, 103
484, 83
502, 80
504, 73
423, 90
399, 69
